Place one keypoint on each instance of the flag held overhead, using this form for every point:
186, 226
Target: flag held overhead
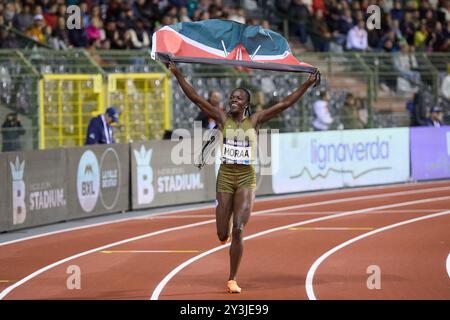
226, 42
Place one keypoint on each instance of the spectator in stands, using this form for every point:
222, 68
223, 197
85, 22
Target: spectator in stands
78, 37
83, 11
345, 22
50, 16
215, 99
9, 12
36, 31
238, 15
406, 64
95, 30
7, 39
408, 28
60, 35
423, 24
23, 18
172, 12
397, 12
444, 12
298, 16
435, 119
357, 39
323, 119
319, 32
148, 11
436, 40
215, 11
389, 42
445, 85
139, 37
116, 39
350, 114
420, 36
363, 113
11, 131
100, 129
183, 15
62, 12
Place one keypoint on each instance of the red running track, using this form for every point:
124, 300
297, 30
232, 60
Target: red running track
304, 246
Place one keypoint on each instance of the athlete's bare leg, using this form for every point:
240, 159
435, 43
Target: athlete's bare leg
224, 212
242, 208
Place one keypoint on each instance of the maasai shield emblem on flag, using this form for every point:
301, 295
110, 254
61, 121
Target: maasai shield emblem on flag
226, 42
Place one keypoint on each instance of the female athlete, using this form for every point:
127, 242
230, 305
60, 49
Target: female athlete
236, 180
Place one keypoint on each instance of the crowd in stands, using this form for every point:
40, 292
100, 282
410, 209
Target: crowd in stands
107, 24
345, 25
326, 24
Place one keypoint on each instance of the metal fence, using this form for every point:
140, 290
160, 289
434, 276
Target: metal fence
55, 93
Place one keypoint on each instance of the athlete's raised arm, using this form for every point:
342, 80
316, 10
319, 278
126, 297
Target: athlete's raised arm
262, 116
212, 112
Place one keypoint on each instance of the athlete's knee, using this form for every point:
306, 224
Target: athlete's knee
222, 235
238, 231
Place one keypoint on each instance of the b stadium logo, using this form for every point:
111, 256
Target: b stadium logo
18, 191
88, 181
144, 172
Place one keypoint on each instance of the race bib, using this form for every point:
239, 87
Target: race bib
236, 152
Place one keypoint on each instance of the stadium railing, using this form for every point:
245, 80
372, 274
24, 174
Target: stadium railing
56, 92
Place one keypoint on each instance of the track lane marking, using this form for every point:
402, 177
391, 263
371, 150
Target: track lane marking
330, 228
316, 264
6, 291
157, 291
149, 251
276, 197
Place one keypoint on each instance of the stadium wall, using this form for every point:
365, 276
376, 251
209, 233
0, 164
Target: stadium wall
49, 186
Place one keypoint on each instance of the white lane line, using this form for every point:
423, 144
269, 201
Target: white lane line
168, 213
331, 228
149, 251
81, 254
448, 265
316, 264
169, 276
268, 199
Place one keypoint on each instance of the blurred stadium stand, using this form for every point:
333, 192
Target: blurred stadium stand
55, 92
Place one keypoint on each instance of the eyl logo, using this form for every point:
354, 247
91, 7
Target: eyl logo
88, 181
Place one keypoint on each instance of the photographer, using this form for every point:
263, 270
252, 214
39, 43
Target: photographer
11, 131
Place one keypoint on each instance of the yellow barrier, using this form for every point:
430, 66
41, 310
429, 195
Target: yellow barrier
143, 101
69, 101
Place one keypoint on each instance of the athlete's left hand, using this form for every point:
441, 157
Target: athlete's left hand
312, 78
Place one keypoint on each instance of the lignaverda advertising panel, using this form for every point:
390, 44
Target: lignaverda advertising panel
334, 159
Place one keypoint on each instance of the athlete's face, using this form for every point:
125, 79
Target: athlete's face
238, 101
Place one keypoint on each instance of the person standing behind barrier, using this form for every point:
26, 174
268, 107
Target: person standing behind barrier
100, 130
435, 119
350, 114
323, 118
11, 131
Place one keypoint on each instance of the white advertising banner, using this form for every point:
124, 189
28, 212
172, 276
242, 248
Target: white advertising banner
334, 159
